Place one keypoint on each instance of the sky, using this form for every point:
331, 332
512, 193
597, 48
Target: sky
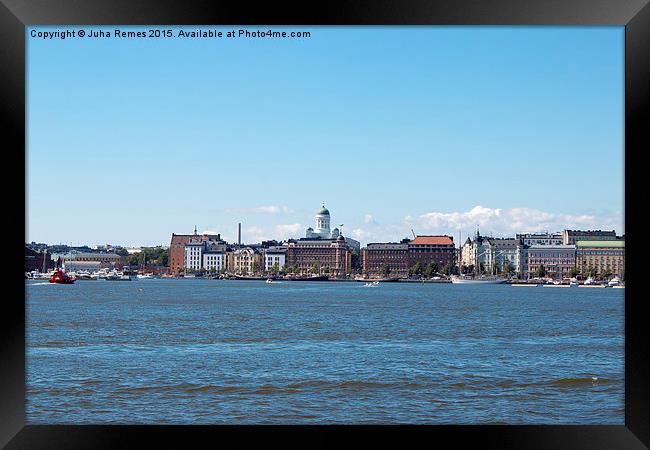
439, 130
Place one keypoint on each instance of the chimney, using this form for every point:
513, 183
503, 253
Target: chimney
239, 233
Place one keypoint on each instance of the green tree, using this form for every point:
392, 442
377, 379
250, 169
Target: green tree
446, 270
275, 269
314, 268
283, 269
384, 270
541, 271
416, 269
574, 272
607, 274
507, 267
327, 269
256, 267
431, 269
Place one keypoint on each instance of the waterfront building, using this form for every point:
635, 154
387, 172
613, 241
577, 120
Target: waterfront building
90, 261
245, 260
394, 256
426, 249
570, 237
322, 230
558, 260
529, 239
38, 260
177, 248
214, 256
494, 255
275, 256
328, 256
601, 257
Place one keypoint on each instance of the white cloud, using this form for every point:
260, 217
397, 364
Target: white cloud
508, 222
368, 219
286, 231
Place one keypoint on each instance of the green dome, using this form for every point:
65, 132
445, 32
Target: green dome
324, 211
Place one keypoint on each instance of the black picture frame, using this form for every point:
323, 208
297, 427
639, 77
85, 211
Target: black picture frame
15, 15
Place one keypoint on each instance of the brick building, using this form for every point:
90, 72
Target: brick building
392, 255
427, 249
177, 248
331, 256
601, 256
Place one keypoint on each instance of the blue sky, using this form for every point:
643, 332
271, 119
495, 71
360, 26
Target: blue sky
435, 129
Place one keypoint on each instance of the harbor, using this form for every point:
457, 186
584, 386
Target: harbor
192, 351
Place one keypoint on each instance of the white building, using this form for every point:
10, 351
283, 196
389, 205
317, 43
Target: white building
529, 239
214, 256
275, 256
193, 255
322, 230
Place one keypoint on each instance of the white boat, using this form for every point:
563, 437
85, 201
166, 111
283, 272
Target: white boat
478, 280
590, 280
573, 282
144, 276
120, 277
372, 284
616, 281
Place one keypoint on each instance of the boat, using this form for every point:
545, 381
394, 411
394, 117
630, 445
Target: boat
60, 277
616, 281
244, 277
118, 276
311, 278
573, 282
144, 276
590, 280
455, 279
372, 284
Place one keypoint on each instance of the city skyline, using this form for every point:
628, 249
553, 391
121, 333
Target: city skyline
436, 129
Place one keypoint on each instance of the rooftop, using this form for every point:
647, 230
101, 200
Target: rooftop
433, 240
601, 244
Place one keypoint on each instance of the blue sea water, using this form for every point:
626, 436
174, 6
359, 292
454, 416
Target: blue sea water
247, 352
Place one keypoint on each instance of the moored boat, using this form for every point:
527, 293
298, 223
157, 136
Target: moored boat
311, 278
478, 280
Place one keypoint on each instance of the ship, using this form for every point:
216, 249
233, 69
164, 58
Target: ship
310, 278
59, 277
478, 280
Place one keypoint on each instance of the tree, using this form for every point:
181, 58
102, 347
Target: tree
607, 273
541, 271
416, 269
121, 251
283, 269
384, 270
314, 268
431, 269
574, 272
446, 270
507, 267
275, 269
256, 267
327, 269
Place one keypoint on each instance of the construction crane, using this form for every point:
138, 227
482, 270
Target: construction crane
414, 237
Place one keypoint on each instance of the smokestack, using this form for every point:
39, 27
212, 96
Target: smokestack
239, 233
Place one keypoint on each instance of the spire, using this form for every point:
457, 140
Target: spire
195, 232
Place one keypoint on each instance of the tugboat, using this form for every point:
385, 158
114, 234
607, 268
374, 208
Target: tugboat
60, 277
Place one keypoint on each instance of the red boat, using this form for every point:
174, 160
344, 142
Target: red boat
61, 278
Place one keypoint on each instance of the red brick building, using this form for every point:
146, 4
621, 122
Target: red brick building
427, 249
392, 255
331, 256
177, 248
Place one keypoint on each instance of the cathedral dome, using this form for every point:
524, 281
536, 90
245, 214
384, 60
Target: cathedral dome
324, 211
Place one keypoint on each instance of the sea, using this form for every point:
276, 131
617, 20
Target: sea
195, 351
